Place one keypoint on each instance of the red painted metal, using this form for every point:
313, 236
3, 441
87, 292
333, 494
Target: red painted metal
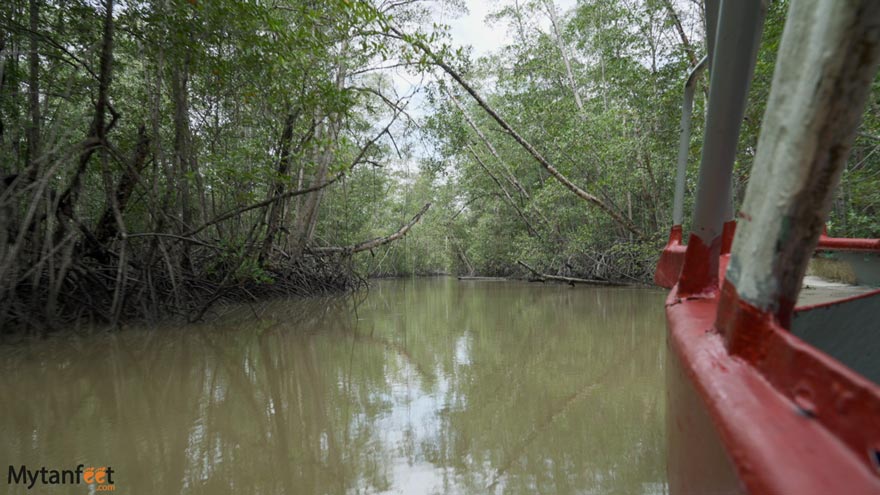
843, 244
700, 273
672, 257
761, 410
727, 236
751, 407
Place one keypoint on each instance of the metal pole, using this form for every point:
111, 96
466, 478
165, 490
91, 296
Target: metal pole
711, 12
685, 140
713, 8
736, 45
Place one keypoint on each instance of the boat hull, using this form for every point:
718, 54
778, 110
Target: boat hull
695, 454
740, 424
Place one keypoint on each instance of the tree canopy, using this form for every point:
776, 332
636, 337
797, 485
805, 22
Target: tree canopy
159, 156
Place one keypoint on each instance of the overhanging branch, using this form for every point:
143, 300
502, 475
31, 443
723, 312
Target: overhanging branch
374, 243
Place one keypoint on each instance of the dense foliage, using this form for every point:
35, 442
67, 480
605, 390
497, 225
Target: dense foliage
159, 156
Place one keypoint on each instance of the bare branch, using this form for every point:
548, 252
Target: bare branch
510, 200
676, 20
379, 241
298, 192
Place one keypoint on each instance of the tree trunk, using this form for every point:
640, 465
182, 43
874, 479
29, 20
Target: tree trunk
33, 133
277, 208
528, 224
107, 225
676, 21
307, 216
508, 175
554, 23
182, 149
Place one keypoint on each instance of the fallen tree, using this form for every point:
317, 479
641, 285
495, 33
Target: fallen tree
543, 277
615, 215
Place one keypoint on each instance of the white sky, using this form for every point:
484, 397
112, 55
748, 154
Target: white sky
472, 29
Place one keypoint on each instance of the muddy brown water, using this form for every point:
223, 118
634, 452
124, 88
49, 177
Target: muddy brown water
417, 386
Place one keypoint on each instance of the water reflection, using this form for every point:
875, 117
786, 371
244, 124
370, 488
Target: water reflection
424, 386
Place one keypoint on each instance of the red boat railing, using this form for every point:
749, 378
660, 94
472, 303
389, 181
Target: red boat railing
764, 398
846, 244
672, 257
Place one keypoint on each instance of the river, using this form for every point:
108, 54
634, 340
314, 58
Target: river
416, 386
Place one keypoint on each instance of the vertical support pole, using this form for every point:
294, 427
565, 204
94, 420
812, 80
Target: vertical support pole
736, 47
711, 11
685, 140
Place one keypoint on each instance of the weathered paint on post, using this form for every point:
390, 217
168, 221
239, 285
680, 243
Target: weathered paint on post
826, 63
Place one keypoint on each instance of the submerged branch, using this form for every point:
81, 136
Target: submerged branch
543, 277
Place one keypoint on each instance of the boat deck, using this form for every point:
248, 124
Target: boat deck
817, 290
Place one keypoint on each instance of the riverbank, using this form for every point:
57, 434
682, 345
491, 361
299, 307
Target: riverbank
146, 286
